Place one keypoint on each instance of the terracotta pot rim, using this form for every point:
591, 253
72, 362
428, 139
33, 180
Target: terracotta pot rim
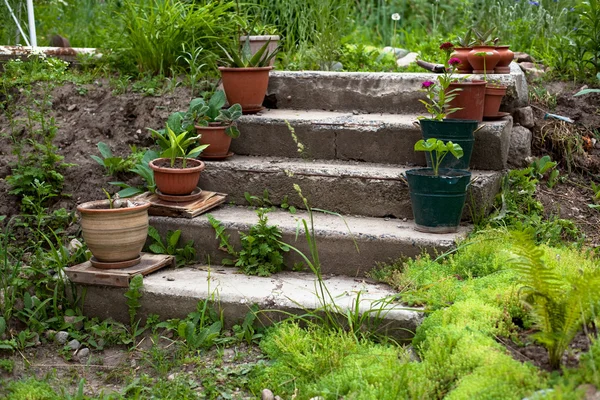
476, 82
245, 69
188, 170
88, 207
504, 46
463, 48
484, 45
219, 126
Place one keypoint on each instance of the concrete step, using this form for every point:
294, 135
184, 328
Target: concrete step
378, 138
394, 93
349, 246
174, 293
347, 187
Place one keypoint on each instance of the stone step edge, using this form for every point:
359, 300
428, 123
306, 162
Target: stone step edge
173, 293
349, 246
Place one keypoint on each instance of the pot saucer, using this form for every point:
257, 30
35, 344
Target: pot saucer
496, 117
174, 198
114, 265
252, 110
216, 158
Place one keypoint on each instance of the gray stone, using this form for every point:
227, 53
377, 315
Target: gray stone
83, 353
398, 52
407, 60
523, 57
61, 337
373, 92
353, 188
530, 68
520, 147
74, 245
524, 117
77, 325
292, 292
74, 344
266, 394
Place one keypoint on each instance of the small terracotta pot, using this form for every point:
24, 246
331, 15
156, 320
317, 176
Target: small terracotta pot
246, 86
490, 60
493, 99
462, 54
114, 235
176, 181
216, 138
470, 99
506, 57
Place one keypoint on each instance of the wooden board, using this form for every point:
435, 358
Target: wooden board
207, 201
85, 273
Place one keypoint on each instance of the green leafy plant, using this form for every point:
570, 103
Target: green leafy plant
588, 91
265, 201
438, 95
438, 150
465, 40
133, 296
558, 311
177, 145
484, 37
262, 248
116, 164
203, 113
244, 58
185, 254
145, 172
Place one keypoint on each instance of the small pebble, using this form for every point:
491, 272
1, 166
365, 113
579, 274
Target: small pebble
61, 337
74, 344
267, 395
170, 279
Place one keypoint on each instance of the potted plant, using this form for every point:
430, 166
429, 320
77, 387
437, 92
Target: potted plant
438, 195
215, 125
494, 92
439, 105
115, 231
246, 77
484, 44
176, 172
461, 52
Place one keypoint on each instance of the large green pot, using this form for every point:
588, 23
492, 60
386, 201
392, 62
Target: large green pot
455, 130
438, 201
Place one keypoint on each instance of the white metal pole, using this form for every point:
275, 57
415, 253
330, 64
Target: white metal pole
17, 22
32, 34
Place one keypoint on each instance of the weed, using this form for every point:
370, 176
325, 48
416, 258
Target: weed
266, 202
133, 296
184, 255
262, 249
114, 165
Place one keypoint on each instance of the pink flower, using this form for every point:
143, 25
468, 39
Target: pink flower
454, 61
446, 46
427, 84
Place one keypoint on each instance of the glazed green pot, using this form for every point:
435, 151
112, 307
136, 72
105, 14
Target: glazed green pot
438, 201
455, 130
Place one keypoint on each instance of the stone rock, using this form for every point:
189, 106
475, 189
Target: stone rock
61, 337
278, 398
524, 117
78, 325
266, 394
591, 393
407, 60
74, 344
83, 353
523, 57
74, 245
398, 52
530, 68
520, 147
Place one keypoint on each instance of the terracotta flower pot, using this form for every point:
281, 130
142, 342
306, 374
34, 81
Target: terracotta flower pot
470, 99
506, 57
114, 235
256, 42
493, 99
462, 53
246, 86
490, 60
176, 181
216, 138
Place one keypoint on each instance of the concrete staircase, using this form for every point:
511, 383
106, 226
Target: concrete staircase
358, 135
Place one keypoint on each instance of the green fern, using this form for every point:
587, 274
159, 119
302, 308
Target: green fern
558, 310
